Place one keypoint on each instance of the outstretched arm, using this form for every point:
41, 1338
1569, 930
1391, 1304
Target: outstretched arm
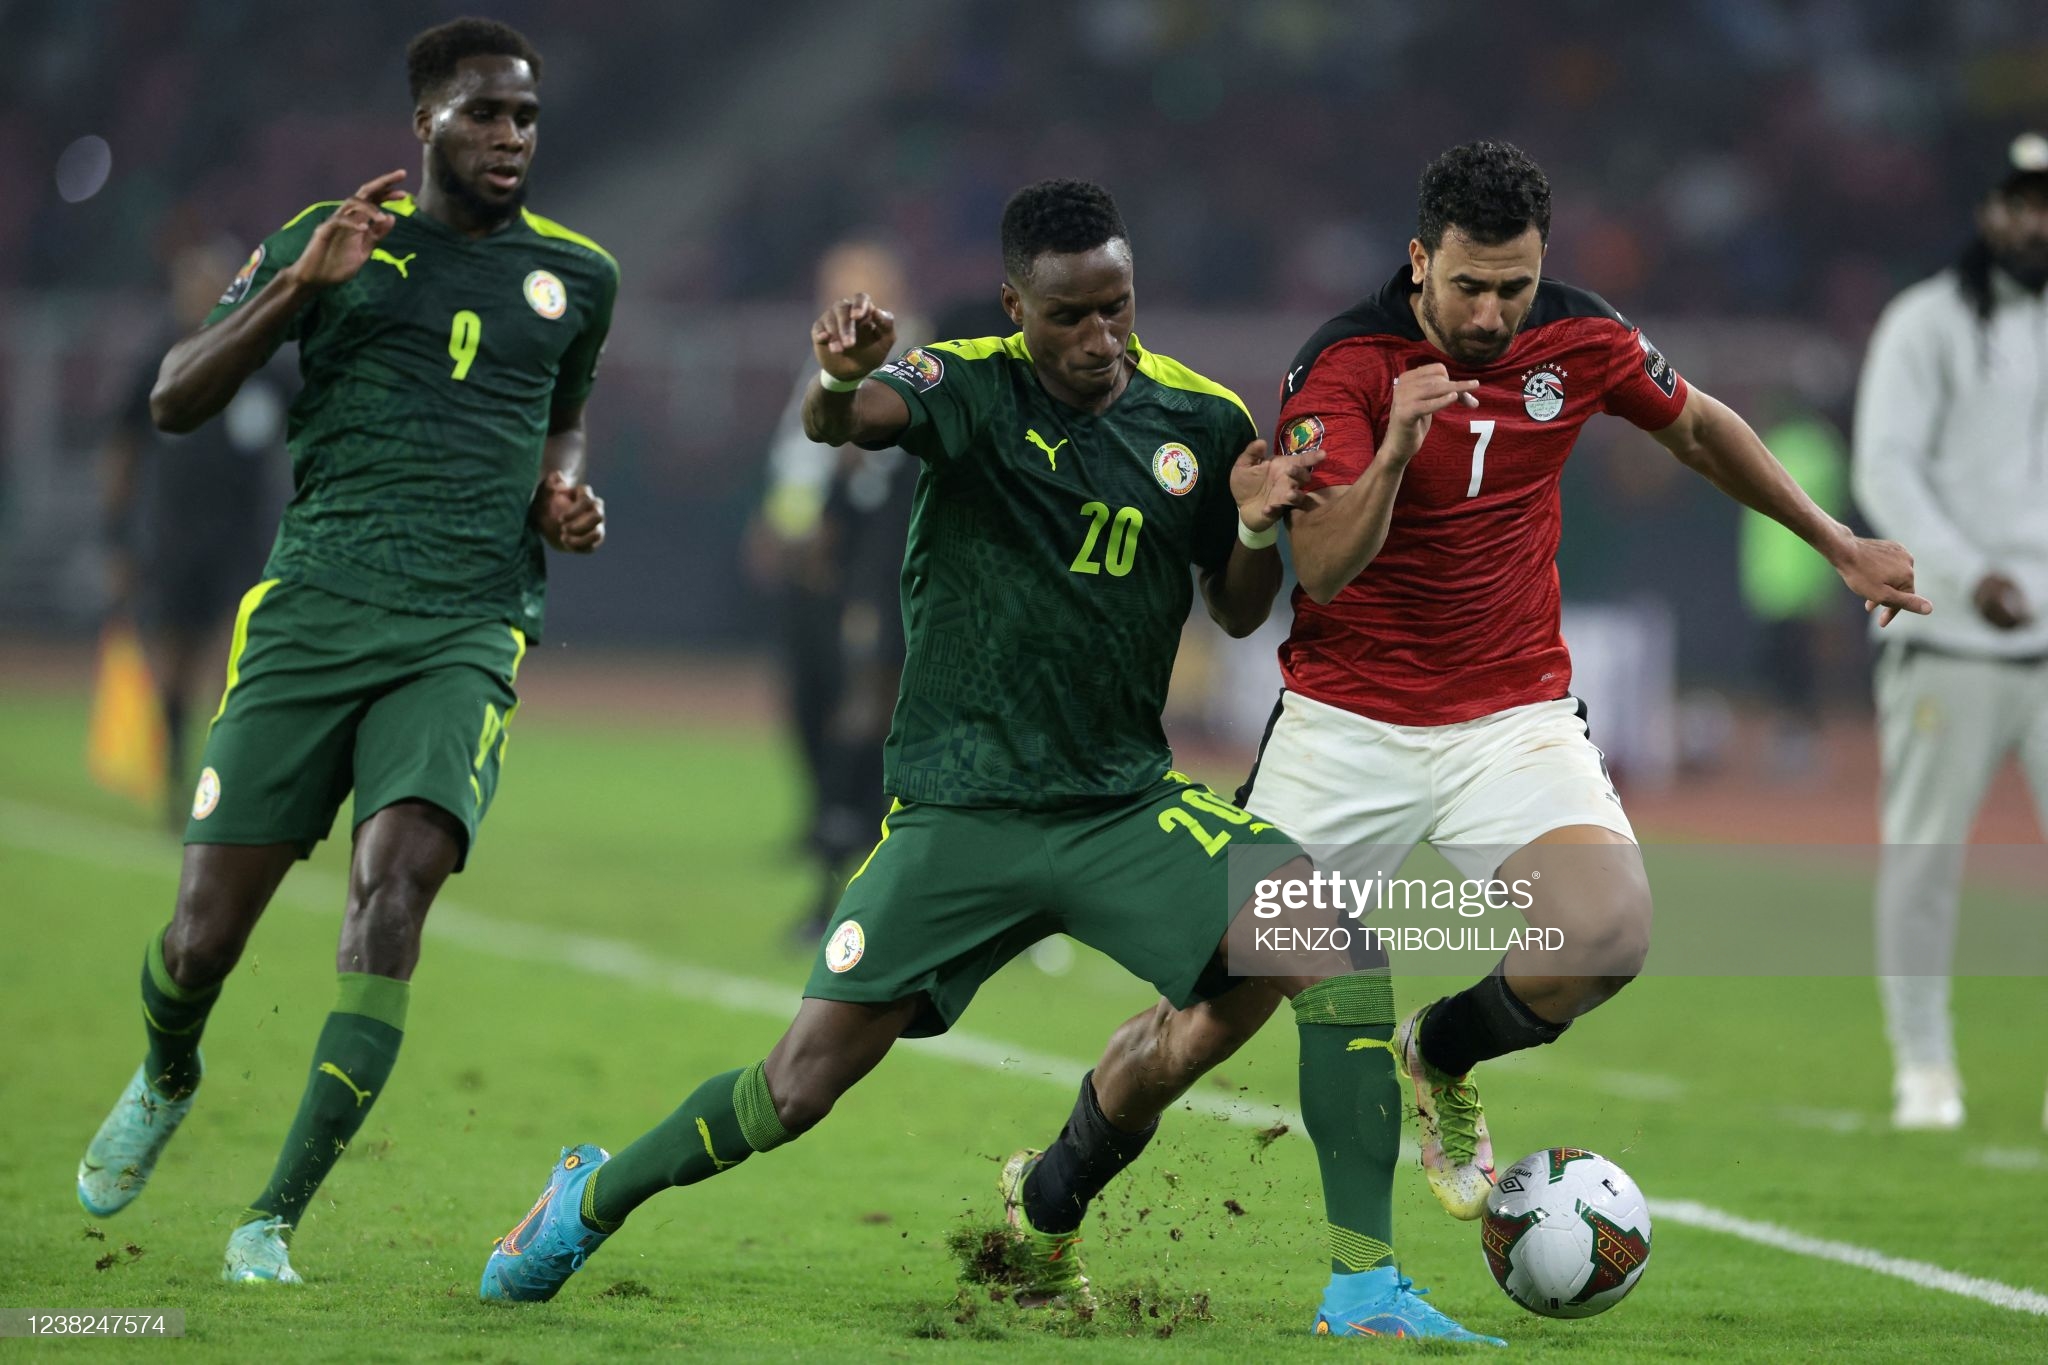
852, 339
1710, 438
201, 374
1240, 594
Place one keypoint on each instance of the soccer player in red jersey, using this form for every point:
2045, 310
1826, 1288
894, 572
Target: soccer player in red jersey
1427, 682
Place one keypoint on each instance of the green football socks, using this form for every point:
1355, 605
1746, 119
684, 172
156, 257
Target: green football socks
1351, 1105
726, 1120
173, 1018
357, 1049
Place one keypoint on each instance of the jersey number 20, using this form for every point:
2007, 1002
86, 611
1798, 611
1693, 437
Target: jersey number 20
1122, 550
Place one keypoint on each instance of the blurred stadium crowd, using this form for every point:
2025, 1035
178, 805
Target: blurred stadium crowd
1752, 205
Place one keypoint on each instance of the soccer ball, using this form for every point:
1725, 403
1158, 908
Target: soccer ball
1566, 1233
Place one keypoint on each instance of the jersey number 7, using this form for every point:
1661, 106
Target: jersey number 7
1484, 431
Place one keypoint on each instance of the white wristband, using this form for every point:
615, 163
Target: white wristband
1257, 540
832, 385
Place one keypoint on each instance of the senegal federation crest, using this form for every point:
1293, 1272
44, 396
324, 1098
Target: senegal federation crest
1173, 464
845, 947
546, 294
207, 795
1543, 394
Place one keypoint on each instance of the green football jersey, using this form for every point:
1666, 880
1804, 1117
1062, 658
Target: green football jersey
416, 440
1046, 579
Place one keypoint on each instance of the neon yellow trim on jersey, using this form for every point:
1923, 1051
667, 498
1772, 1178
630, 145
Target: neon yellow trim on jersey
894, 806
981, 348
1165, 370
519, 640
402, 206
310, 208
240, 641
1158, 368
548, 227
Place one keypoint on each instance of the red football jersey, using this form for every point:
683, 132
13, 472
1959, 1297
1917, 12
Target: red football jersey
1457, 616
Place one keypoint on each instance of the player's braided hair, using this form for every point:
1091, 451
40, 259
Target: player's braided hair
1059, 216
1489, 191
431, 56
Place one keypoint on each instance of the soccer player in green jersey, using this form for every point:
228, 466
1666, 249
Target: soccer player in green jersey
1070, 478
447, 343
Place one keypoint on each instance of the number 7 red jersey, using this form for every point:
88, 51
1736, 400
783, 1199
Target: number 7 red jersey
1457, 616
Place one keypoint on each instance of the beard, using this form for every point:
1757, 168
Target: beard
2026, 263
483, 212
1464, 350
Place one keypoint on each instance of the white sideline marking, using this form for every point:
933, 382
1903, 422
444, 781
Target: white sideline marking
1686, 1212
82, 838
36, 829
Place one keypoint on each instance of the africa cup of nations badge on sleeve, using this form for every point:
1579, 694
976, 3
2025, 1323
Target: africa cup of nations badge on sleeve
1306, 434
239, 285
918, 368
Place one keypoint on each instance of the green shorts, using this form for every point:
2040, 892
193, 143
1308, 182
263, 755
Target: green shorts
951, 893
326, 694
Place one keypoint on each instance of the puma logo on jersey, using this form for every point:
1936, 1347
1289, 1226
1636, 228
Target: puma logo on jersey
397, 263
1051, 452
362, 1095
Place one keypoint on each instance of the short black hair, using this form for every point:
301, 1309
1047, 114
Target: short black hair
1490, 191
430, 58
1059, 216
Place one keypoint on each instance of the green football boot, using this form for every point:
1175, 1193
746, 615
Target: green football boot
1053, 1275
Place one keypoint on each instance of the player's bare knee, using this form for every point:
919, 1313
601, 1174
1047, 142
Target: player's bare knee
1620, 938
1207, 1034
201, 949
380, 932
802, 1099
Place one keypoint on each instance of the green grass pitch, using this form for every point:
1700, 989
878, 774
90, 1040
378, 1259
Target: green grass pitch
663, 853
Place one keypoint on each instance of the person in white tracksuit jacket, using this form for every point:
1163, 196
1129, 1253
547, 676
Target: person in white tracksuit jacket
1951, 457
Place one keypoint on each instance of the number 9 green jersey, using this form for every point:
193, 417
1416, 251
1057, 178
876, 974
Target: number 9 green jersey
1046, 579
430, 379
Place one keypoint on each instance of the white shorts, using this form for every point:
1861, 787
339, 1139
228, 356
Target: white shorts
1475, 790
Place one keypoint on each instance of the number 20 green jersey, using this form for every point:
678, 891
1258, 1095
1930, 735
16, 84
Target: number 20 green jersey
1046, 578
430, 378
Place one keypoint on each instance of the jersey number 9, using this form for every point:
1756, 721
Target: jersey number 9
465, 333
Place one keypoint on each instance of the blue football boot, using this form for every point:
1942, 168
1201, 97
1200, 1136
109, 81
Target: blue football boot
532, 1262
1386, 1303
118, 1161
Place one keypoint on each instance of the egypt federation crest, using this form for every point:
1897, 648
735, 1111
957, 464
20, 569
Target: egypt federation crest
1307, 434
546, 294
1543, 394
1173, 464
918, 368
238, 287
845, 947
